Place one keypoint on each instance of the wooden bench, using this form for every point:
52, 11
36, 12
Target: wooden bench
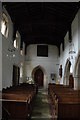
68, 110
66, 102
18, 101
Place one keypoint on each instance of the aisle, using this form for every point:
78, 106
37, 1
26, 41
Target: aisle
42, 107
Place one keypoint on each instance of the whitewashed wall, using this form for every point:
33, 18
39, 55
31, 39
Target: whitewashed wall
47, 63
0, 50
65, 54
7, 61
77, 61
0, 62
79, 29
79, 44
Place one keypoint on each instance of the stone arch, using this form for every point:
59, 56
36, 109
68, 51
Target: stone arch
44, 73
77, 64
66, 72
77, 72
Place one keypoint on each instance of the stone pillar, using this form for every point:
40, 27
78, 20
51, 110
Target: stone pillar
64, 80
67, 80
76, 84
79, 82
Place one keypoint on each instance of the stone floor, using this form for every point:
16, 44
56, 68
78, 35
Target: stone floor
43, 109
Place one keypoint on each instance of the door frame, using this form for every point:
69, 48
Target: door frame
15, 80
36, 77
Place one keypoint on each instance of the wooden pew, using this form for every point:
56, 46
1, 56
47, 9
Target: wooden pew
66, 101
16, 105
69, 110
18, 100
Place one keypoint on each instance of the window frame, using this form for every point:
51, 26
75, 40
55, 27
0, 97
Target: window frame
5, 22
16, 41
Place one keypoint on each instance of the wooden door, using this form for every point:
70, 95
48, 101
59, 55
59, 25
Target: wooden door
71, 81
38, 77
16, 74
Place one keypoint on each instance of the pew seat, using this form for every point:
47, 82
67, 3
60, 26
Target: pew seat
18, 101
66, 102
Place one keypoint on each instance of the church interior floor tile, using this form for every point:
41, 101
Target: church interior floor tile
41, 109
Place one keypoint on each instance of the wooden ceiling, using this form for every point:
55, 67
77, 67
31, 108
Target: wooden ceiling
42, 22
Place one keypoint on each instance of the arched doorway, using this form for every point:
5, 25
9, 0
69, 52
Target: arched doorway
67, 73
38, 77
16, 75
71, 81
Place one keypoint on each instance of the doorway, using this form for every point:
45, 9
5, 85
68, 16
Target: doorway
38, 77
71, 81
67, 72
16, 75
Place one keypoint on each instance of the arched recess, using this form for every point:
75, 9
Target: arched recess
36, 72
67, 72
77, 72
71, 81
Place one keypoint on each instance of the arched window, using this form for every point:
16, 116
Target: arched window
4, 25
22, 49
16, 41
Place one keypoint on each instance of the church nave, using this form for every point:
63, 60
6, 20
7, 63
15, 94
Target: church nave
39, 60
